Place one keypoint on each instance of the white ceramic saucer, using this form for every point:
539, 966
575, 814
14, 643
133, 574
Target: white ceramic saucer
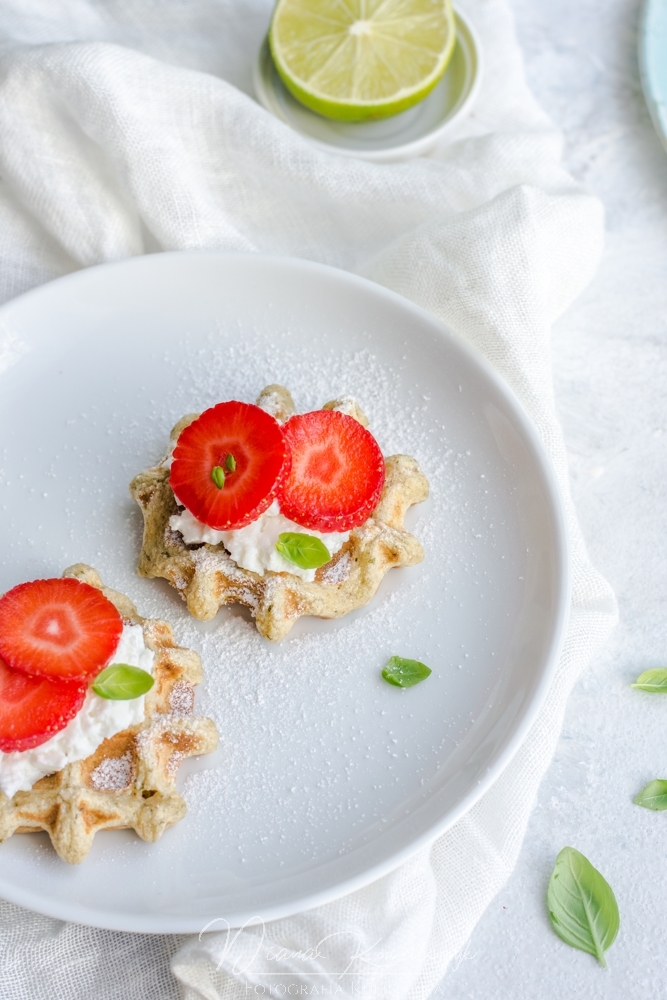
409, 134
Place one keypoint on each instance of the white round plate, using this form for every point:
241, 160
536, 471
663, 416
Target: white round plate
326, 776
412, 133
653, 62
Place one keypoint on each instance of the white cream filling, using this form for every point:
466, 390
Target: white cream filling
98, 719
254, 547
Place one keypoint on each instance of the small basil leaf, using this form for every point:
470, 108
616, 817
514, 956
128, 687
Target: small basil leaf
405, 673
305, 551
582, 905
120, 682
654, 796
652, 680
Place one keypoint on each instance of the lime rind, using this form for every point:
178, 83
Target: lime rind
388, 66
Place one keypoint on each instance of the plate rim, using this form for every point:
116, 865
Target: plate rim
388, 154
160, 923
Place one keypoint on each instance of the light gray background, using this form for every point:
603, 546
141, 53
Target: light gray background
610, 361
610, 369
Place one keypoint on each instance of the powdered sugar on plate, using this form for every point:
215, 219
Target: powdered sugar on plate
307, 727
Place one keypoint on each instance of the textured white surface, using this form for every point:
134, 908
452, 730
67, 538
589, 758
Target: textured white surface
598, 376
610, 360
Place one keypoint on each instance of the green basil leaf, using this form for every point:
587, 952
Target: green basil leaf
305, 551
652, 680
120, 682
654, 796
582, 905
405, 673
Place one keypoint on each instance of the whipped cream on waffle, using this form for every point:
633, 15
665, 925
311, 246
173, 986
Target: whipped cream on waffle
254, 547
98, 719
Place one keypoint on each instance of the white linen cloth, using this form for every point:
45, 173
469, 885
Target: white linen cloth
125, 129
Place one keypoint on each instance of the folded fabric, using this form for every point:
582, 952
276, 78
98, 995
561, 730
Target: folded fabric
125, 129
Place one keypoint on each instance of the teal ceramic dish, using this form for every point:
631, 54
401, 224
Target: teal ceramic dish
653, 62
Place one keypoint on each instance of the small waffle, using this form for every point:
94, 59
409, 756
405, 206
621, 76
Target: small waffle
130, 780
207, 577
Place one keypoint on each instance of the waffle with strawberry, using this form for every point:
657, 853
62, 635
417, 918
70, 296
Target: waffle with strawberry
56, 639
322, 471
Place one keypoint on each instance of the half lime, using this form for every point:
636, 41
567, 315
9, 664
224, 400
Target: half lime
353, 60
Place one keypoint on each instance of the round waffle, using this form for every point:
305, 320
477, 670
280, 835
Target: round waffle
130, 780
207, 577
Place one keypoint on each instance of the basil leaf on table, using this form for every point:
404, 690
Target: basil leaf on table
654, 796
405, 673
582, 905
305, 551
652, 680
121, 682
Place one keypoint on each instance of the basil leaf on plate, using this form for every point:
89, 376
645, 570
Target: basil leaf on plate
582, 905
120, 682
652, 680
305, 551
654, 796
404, 673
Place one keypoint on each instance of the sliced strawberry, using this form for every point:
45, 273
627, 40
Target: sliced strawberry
337, 471
33, 709
228, 464
58, 628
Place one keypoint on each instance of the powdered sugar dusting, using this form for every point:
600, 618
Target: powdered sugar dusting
311, 737
338, 571
174, 763
113, 774
273, 402
182, 698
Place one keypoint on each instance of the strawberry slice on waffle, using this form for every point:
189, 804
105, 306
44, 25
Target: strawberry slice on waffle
33, 709
228, 465
59, 628
337, 471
